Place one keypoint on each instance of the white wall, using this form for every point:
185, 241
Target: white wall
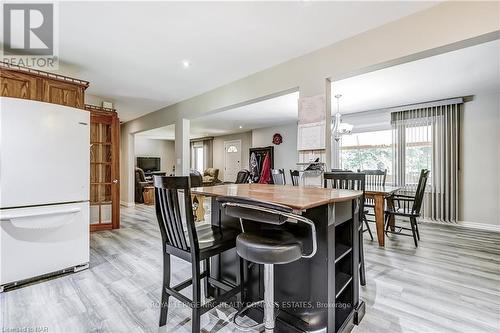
393, 43
165, 149
218, 150
480, 160
285, 154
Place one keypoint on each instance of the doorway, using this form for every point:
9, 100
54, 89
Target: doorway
232, 159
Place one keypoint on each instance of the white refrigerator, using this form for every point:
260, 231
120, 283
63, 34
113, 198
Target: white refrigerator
44, 189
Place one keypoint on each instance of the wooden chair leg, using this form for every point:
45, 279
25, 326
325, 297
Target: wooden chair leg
416, 228
362, 273
206, 284
164, 294
413, 232
368, 227
387, 218
196, 314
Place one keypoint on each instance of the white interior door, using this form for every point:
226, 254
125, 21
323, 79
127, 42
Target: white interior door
232, 160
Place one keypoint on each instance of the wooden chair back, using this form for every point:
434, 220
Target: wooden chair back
295, 175
278, 176
168, 214
375, 177
347, 181
419, 193
242, 177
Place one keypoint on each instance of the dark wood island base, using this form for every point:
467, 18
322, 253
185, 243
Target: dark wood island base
319, 294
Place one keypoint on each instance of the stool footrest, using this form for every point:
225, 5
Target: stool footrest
251, 327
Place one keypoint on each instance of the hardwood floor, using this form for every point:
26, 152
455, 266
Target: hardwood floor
451, 283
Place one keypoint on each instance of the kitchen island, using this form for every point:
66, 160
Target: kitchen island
318, 294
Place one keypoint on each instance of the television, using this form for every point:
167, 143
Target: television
148, 164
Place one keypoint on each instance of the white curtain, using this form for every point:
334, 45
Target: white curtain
207, 144
427, 136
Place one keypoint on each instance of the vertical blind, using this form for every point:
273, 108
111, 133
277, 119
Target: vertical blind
427, 136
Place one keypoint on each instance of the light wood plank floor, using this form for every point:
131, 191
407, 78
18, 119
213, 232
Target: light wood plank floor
451, 283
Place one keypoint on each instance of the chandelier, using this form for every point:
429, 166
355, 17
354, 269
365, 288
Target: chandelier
338, 127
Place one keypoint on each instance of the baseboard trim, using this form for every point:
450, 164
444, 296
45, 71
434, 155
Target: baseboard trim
468, 225
127, 204
479, 226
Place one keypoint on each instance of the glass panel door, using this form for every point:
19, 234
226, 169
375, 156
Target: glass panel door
103, 177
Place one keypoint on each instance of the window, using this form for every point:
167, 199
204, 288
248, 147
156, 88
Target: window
232, 149
197, 160
367, 151
418, 152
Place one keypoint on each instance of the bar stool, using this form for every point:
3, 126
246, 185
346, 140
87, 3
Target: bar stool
269, 247
193, 245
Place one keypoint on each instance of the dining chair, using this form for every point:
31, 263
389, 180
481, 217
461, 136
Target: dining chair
407, 206
278, 176
295, 175
242, 176
192, 245
196, 178
374, 178
351, 181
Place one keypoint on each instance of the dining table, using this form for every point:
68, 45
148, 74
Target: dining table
379, 194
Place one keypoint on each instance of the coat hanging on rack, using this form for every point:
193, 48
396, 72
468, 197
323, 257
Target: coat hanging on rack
257, 156
265, 175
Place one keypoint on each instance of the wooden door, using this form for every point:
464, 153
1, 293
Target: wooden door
104, 171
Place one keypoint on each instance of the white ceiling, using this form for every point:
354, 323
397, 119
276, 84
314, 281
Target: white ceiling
271, 112
132, 52
459, 73
454, 74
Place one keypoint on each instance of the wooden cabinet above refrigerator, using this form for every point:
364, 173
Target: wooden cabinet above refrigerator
20, 82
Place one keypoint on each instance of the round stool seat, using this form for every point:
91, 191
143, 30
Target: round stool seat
268, 247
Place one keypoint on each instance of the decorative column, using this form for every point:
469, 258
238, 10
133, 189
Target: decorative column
182, 153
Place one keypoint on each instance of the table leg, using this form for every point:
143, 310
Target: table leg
379, 218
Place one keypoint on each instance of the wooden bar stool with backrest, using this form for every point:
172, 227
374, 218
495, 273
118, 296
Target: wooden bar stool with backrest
185, 242
408, 206
351, 181
374, 178
295, 175
278, 176
269, 246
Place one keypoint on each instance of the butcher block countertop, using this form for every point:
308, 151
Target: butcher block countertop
296, 197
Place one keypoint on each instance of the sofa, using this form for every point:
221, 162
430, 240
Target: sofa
211, 177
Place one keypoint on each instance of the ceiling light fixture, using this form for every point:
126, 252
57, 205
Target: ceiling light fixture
338, 127
241, 127
186, 63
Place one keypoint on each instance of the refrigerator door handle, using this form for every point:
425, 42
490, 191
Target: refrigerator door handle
26, 215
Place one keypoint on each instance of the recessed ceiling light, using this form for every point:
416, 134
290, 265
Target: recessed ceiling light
186, 63
241, 127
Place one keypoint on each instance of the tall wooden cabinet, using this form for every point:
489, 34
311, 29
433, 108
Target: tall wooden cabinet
20, 82
104, 168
